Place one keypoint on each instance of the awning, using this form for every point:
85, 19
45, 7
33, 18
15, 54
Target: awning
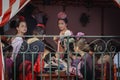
9, 8
117, 2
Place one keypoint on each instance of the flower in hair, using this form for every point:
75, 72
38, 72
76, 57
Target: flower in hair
21, 18
62, 15
41, 25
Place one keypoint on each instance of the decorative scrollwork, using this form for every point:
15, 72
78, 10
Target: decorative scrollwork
24, 47
36, 46
99, 45
113, 45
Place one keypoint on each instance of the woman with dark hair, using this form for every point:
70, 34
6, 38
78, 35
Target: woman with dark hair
62, 24
64, 32
33, 55
17, 41
29, 17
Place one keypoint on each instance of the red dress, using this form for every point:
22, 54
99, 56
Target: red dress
28, 69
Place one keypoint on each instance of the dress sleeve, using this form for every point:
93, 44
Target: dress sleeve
16, 44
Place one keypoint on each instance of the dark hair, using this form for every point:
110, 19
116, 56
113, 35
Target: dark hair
13, 24
18, 22
65, 20
38, 31
92, 47
19, 19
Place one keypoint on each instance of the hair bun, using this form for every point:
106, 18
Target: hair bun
62, 15
21, 18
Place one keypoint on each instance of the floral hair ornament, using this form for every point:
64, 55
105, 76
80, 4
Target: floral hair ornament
21, 18
79, 34
62, 15
41, 25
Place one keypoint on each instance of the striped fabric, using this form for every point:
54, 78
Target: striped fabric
1, 64
8, 8
117, 2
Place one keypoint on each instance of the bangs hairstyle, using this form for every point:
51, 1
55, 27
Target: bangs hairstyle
82, 45
18, 23
19, 20
65, 20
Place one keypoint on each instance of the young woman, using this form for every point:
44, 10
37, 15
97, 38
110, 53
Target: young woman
36, 48
64, 31
62, 24
17, 41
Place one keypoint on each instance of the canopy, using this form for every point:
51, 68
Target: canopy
117, 2
9, 8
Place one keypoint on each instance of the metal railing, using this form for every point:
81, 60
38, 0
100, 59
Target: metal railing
24, 63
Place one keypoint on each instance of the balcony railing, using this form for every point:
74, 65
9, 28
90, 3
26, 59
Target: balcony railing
37, 60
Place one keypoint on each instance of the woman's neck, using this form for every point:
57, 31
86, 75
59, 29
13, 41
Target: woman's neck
20, 34
64, 30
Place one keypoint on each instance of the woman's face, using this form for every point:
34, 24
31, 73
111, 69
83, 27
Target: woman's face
62, 25
22, 28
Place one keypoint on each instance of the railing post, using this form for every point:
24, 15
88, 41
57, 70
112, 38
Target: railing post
67, 45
